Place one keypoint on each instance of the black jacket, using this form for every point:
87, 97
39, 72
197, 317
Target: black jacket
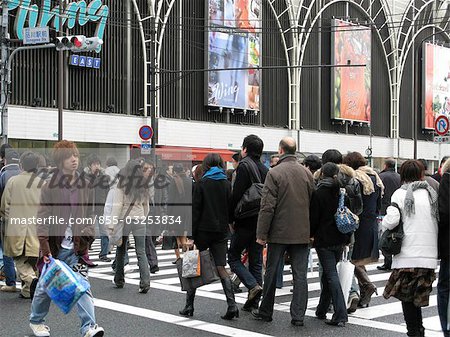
444, 216
241, 184
391, 182
100, 184
324, 204
210, 205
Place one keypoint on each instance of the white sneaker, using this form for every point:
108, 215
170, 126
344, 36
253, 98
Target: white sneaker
40, 330
8, 289
95, 331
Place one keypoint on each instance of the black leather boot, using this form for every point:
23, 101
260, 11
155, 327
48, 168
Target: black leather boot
189, 308
233, 310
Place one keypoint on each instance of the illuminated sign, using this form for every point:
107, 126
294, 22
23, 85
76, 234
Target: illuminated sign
76, 13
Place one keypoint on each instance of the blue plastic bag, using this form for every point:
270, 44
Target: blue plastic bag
64, 286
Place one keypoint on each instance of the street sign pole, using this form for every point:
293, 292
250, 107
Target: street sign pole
4, 71
60, 76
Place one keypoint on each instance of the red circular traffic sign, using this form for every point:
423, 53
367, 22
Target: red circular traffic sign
441, 125
145, 132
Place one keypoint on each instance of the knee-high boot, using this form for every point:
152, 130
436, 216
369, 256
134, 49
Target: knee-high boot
367, 288
189, 308
233, 310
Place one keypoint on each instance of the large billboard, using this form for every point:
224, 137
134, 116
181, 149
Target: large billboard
233, 42
436, 84
351, 86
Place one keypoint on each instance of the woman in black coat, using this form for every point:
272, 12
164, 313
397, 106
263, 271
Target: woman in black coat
329, 243
365, 248
210, 204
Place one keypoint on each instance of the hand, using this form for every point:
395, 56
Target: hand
47, 258
261, 242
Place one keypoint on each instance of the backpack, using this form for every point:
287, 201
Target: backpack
346, 221
250, 202
391, 239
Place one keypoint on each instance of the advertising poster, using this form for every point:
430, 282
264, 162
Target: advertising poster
234, 43
351, 86
436, 83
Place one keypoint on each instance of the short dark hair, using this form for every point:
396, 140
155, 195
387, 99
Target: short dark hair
178, 168
3, 149
254, 146
287, 148
355, 160
236, 156
411, 170
424, 163
111, 161
11, 156
93, 159
390, 163
212, 160
330, 170
312, 162
29, 161
333, 156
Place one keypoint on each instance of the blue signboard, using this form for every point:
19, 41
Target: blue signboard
97, 63
89, 62
82, 62
74, 59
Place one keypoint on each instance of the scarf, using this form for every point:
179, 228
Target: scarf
215, 173
362, 175
410, 208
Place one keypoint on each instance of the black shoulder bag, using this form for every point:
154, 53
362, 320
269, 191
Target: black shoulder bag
391, 240
250, 202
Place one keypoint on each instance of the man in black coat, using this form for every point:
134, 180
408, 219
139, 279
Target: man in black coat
391, 182
244, 237
438, 175
444, 252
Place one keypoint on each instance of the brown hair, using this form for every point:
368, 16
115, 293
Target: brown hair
355, 160
411, 170
63, 150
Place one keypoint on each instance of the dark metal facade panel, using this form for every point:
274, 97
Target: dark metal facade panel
34, 74
315, 99
183, 94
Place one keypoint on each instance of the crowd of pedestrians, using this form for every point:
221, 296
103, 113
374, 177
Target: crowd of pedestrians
252, 218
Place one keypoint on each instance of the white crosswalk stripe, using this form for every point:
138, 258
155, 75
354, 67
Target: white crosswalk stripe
373, 316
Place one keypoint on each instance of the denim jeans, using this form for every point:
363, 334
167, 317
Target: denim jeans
280, 272
104, 239
331, 287
245, 238
443, 294
85, 305
299, 263
150, 251
8, 268
139, 234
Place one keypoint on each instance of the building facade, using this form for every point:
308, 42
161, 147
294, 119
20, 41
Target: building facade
108, 105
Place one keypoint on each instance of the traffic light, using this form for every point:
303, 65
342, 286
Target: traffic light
78, 43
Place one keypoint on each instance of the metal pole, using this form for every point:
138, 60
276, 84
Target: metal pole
4, 71
129, 51
154, 120
60, 76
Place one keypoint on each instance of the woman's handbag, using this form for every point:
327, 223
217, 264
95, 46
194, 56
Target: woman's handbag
346, 221
345, 271
208, 273
391, 239
62, 284
191, 264
169, 242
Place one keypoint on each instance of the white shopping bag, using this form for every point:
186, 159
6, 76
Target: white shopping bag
345, 271
191, 264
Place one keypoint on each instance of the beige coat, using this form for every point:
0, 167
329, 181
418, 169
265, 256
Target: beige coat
19, 205
284, 214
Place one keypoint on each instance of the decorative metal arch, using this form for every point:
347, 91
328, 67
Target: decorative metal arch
161, 23
389, 53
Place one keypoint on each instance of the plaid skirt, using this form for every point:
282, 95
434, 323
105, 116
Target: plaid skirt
410, 285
